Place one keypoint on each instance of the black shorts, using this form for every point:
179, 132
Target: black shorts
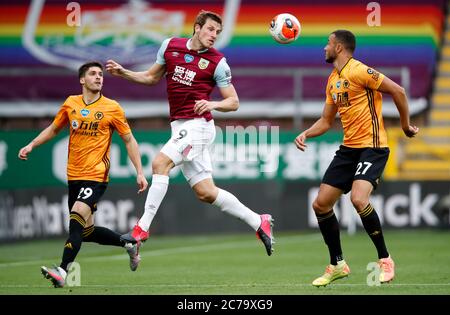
86, 191
350, 164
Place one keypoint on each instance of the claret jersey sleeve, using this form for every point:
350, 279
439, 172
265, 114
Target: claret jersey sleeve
222, 75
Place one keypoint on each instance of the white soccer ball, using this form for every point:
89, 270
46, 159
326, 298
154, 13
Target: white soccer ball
285, 28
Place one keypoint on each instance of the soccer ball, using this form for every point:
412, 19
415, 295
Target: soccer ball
285, 28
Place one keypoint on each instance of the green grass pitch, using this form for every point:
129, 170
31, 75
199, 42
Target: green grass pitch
233, 265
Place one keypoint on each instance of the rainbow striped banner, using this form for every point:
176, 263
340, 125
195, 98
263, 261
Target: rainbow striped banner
36, 34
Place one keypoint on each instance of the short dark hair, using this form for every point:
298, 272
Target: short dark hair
203, 15
346, 38
85, 67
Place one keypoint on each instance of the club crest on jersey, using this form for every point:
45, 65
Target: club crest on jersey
98, 115
203, 64
84, 112
188, 58
74, 123
346, 84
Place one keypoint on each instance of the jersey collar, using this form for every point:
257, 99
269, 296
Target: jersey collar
188, 46
92, 103
348, 61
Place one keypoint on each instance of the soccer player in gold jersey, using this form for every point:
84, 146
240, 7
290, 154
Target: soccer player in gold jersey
354, 90
92, 118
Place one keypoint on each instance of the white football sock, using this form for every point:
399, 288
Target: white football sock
155, 195
228, 203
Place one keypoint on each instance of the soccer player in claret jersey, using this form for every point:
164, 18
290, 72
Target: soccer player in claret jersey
192, 68
354, 90
91, 117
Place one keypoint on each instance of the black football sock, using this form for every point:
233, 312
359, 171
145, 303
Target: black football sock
329, 226
102, 235
372, 225
73, 243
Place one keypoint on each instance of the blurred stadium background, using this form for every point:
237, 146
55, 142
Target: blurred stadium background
279, 86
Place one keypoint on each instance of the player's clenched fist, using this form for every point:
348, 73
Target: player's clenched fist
23, 153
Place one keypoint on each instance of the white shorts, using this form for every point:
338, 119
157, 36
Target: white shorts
189, 147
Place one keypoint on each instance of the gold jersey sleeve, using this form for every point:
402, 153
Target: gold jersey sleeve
354, 91
91, 128
61, 118
329, 98
119, 121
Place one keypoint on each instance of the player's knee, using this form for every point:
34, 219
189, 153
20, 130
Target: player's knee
205, 195
161, 165
320, 208
81, 209
359, 202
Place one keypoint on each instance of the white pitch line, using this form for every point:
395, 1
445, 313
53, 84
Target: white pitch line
205, 248
250, 285
175, 250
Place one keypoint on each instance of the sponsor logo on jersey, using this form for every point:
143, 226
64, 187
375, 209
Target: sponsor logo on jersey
342, 99
338, 84
203, 64
74, 123
188, 58
84, 112
183, 75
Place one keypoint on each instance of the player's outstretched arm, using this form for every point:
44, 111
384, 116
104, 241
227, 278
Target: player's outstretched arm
150, 77
135, 157
45, 135
318, 128
401, 102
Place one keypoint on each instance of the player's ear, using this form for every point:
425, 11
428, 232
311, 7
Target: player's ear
197, 28
82, 80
